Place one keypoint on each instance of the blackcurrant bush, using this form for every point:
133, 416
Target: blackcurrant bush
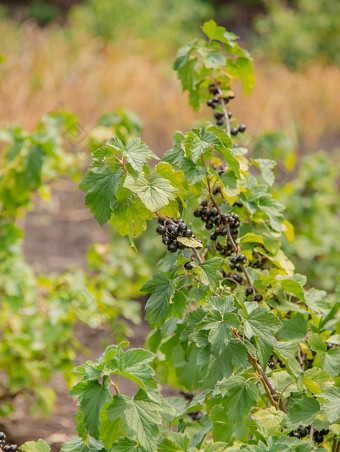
318, 438
197, 213
258, 297
182, 227
188, 233
213, 236
242, 128
219, 122
209, 226
234, 131
188, 266
249, 290
172, 247
302, 431
161, 230
166, 239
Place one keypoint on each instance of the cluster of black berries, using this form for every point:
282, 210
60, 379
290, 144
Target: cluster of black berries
272, 363
235, 130
4, 447
170, 230
302, 432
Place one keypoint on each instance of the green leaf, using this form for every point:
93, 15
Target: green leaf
301, 411
317, 380
193, 173
330, 361
209, 272
211, 54
217, 33
331, 406
230, 187
246, 73
263, 324
77, 445
294, 329
174, 442
189, 242
271, 419
101, 185
157, 307
219, 331
92, 397
110, 430
201, 141
127, 445
266, 167
135, 151
154, 193
141, 417
33, 446
175, 177
177, 152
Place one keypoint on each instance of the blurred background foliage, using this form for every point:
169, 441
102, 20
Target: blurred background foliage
92, 57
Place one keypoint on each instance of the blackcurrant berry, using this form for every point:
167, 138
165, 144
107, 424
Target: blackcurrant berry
219, 122
234, 131
238, 268
235, 216
172, 247
166, 239
237, 278
271, 364
242, 128
161, 230
180, 245
309, 363
213, 236
209, 103
282, 364
324, 431
188, 266
2, 436
302, 431
318, 438
216, 190
258, 297
241, 258
218, 115
182, 227
249, 291
224, 232
204, 203
6, 448
172, 229
187, 395
217, 221
188, 233
215, 99
209, 226
214, 212
236, 225
219, 247
296, 435
208, 213
233, 260
229, 114
197, 213
224, 217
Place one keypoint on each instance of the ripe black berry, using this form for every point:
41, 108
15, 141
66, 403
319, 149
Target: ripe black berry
215, 99
242, 128
235, 216
213, 236
161, 230
324, 431
249, 291
6, 448
296, 435
258, 297
172, 247
224, 232
180, 245
188, 266
172, 229
2, 436
182, 227
318, 438
219, 247
234, 131
271, 364
282, 365
209, 102
233, 260
236, 224
214, 212
220, 122
241, 259
302, 432
13, 448
216, 190
166, 239
204, 203
218, 115
212, 88
217, 221
229, 114
209, 226
188, 233
197, 213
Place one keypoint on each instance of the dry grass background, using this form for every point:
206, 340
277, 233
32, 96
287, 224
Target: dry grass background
50, 68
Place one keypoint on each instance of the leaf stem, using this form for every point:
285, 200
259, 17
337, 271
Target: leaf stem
225, 112
198, 257
114, 385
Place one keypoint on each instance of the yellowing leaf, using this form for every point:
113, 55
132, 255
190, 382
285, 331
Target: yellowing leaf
190, 242
288, 231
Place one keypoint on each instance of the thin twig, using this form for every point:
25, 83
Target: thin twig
225, 112
198, 257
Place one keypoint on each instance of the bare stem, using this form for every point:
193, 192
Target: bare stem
114, 385
225, 112
198, 257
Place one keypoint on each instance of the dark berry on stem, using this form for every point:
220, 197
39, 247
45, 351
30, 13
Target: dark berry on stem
182, 227
166, 239
224, 232
188, 266
217, 221
318, 438
172, 229
209, 226
220, 122
249, 291
234, 131
236, 216
271, 364
204, 203
242, 128
233, 260
282, 364
258, 297
197, 213
172, 247
188, 233
161, 230
2, 436
241, 258
302, 431
296, 435
229, 114
209, 103
218, 115
216, 190
215, 99
6, 448
180, 245
219, 247
214, 212
213, 236
324, 431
